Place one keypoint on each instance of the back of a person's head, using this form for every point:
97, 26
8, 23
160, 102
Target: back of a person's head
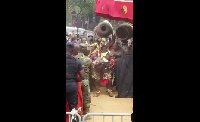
74, 38
86, 52
69, 47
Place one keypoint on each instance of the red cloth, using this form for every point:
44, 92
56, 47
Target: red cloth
80, 101
80, 98
115, 9
104, 81
112, 63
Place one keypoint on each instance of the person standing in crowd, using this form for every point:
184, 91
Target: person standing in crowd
85, 84
124, 72
117, 52
102, 70
80, 94
84, 37
73, 67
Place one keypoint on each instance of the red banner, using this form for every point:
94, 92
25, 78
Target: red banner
115, 9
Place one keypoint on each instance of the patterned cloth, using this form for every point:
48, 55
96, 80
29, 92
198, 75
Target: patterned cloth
85, 84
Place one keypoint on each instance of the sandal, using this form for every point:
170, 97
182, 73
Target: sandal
96, 94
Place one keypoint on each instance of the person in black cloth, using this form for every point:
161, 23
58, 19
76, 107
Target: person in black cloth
117, 52
73, 66
124, 72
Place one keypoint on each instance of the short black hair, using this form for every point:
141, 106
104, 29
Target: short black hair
69, 49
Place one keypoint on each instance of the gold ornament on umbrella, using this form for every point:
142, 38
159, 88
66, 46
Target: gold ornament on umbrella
124, 9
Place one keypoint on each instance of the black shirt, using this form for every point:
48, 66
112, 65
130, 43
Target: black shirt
78, 65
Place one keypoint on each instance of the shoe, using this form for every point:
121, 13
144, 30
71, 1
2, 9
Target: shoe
110, 93
96, 94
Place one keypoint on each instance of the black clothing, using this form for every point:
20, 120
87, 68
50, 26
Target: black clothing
124, 75
73, 66
71, 69
114, 70
72, 97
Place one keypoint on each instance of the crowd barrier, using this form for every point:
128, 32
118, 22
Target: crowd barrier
104, 115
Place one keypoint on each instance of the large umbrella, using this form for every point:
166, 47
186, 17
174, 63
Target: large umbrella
115, 9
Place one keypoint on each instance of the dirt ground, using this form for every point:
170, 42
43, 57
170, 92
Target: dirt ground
106, 104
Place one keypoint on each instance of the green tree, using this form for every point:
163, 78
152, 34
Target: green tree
82, 7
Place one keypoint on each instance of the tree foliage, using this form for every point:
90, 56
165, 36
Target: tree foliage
82, 7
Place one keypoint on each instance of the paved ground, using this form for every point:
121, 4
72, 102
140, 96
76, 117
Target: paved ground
106, 104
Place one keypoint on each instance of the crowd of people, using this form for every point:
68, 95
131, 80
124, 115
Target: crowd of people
96, 61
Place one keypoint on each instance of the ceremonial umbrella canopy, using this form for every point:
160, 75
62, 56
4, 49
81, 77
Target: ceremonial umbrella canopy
120, 10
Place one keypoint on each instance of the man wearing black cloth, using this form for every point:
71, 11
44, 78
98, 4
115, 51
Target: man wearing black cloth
73, 67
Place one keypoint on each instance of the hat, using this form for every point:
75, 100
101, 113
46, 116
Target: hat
70, 44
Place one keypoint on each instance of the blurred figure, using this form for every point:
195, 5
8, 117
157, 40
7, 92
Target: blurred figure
124, 71
102, 66
73, 35
73, 67
85, 84
117, 52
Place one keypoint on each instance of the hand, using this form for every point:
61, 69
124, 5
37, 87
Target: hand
73, 111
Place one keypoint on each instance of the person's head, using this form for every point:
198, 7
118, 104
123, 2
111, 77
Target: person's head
84, 40
79, 40
85, 51
103, 41
76, 49
73, 39
69, 48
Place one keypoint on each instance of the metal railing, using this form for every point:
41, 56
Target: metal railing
76, 115
106, 114
98, 114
